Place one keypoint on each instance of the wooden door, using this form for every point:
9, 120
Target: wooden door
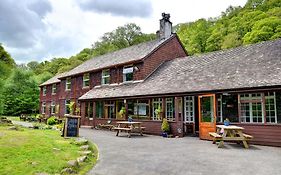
207, 115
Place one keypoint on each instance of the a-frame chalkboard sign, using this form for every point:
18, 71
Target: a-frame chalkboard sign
71, 126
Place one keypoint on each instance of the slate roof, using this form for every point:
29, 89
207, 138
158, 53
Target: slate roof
129, 54
257, 65
52, 80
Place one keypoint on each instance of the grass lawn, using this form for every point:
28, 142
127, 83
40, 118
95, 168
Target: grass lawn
13, 118
32, 151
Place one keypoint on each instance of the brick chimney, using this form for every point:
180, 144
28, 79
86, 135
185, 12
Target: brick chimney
165, 26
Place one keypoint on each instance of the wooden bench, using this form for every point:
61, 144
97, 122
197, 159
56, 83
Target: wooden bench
248, 137
216, 137
118, 129
105, 126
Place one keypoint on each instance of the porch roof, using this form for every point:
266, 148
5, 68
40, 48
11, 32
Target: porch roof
257, 65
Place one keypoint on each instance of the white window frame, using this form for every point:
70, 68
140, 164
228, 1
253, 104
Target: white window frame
170, 114
188, 104
219, 109
53, 107
68, 83
66, 106
250, 97
103, 76
44, 90
128, 70
275, 110
86, 80
43, 107
156, 102
54, 89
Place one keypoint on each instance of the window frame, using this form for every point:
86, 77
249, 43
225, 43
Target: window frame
53, 107
86, 80
158, 102
54, 89
126, 73
68, 84
43, 108
66, 106
170, 100
188, 103
44, 90
268, 97
104, 77
251, 100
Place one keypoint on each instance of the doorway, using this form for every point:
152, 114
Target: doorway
207, 115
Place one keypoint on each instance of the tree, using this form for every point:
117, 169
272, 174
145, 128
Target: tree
20, 93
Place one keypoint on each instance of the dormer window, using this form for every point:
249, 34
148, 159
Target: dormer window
68, 84
105, 78
128, 73
44, 90
86, 80
54, 89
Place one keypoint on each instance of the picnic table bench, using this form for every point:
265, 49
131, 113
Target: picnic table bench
230, 133
129, 127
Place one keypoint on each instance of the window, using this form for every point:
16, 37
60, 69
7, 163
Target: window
189, 108
170, 109
157, 108
109, 107
86, 80
53, 107
43, 107
105, 77
54, 89
99, 109
251, 108
219, 109
128, 74
68, 84
89, 109
67, 106
270, 107
44, 90
141, 109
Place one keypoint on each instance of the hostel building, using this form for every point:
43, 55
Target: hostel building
157, 79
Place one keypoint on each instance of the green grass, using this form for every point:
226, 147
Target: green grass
19, 149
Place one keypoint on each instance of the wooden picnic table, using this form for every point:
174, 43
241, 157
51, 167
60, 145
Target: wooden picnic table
129, 127
230, 133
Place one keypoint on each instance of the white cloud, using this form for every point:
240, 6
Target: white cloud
37, 31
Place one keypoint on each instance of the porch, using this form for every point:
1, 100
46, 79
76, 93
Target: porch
259, 112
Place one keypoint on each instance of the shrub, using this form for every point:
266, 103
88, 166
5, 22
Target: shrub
165, 126
52, 120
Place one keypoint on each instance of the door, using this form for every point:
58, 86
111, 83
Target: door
207, 115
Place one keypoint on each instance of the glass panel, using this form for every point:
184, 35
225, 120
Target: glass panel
157, 108
99, 109
189, 102
206, 108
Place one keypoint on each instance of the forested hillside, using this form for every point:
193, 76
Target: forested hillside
258, 20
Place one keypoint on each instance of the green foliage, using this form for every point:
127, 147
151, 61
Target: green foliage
71, 107
52, 120
258, 21
165, 127
20, 94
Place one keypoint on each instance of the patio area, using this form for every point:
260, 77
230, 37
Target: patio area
155, 155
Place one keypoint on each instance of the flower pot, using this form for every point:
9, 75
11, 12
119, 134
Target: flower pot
164, 134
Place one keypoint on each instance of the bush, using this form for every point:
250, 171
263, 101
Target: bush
165, 126
52, 120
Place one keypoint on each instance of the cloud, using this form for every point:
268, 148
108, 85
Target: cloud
21, 22
127, 8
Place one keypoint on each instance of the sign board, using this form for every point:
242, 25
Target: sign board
71, 126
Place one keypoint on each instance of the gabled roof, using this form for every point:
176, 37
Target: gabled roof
257, 65
126, 55
52, 80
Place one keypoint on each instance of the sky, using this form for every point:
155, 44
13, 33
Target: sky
38, 30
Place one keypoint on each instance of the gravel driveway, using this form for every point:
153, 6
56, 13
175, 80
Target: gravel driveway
154, 155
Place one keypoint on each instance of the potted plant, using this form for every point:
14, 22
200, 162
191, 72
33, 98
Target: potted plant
158, 112
226, 122
122, 112
165, 127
